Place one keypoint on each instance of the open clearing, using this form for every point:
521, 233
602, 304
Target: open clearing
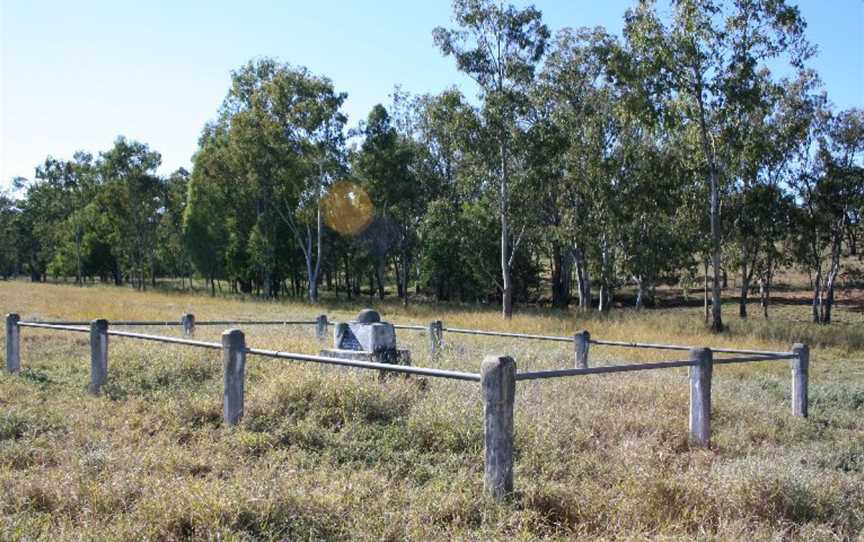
328, 453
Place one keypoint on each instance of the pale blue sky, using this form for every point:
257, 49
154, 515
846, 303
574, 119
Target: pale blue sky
76, 74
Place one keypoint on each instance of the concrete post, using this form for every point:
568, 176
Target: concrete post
98, 355
580, 348
13, 343
234, 358
800, 379
321, 327
436, 336
188, 323
498, 384
700, 396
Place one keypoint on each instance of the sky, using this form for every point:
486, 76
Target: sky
75, 75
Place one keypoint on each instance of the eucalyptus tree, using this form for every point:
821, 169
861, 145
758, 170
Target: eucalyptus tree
384, 167
655, 226
9, 236
285, 132
74, 183
213, 190
760, 218
132, 194
449, 137
837, 188
575, 97
173, 257
708, 55
499, 47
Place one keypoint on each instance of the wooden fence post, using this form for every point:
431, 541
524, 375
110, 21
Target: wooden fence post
800, 379
188, 323
321, 327
700, 396
13, 343
498, 384
98, 355
580, 348
436, 335
234, 358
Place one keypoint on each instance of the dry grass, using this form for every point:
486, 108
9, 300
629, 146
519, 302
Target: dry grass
325, 453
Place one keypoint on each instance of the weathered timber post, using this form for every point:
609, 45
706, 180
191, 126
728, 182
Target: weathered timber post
700, 396
13, 343
188, 323
234, 358
580, 349
321, 327
98, 355
800, 379
498, 384
436, 336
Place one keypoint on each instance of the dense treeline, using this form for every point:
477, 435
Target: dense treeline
589, 160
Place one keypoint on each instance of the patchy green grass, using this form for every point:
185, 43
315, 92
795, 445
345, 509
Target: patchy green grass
329, 453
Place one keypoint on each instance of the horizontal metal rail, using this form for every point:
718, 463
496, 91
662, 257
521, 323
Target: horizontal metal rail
557, 373
254, 322
747, 359
506, 334
60, 327
161, 339
410, 326
178, 322
439, 373
655, 346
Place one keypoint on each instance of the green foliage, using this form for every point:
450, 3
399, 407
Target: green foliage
591, 162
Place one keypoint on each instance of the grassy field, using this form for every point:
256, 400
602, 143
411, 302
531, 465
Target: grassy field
327, 453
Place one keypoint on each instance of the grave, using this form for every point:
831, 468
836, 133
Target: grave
367, 339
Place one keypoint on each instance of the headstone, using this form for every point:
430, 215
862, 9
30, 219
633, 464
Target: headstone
368, 316
367, 338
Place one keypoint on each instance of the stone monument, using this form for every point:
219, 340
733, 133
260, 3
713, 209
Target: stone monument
367, 339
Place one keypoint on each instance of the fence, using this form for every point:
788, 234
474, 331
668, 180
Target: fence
497, 376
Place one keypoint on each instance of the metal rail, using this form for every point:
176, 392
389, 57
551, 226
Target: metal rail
254, 322
656, 346
61, 327
507, 334
410, 326
439, 373
178, 323
557, 373
161, 339
747, 359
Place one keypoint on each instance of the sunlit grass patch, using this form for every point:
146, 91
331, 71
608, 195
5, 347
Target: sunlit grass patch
332, 453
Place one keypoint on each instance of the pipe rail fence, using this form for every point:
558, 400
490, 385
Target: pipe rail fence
497, 377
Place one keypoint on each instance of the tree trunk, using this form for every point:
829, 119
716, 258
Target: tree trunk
78, 257
583, 279
705, 297
605, 303
714, 213
561, 265
347, 276
640, 291
400, 289
817, 289
746, 279
506, 279
379, 279
406, 270
313, 275
827, 301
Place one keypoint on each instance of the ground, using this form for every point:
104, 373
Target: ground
328, 453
